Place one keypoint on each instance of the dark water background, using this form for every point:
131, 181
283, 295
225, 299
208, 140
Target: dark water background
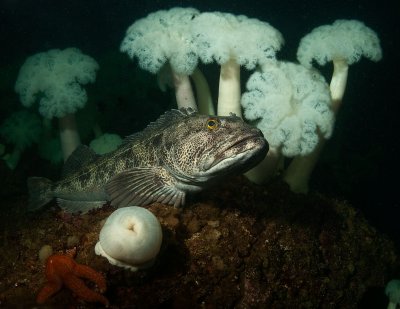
359, 163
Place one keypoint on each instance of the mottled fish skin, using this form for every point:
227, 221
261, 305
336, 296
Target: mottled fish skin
182, 152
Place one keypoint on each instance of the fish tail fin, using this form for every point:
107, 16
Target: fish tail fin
40, 192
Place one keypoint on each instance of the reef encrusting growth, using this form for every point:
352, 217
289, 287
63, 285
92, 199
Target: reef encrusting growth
235, 245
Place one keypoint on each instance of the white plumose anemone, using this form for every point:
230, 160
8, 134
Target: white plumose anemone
54, 79
130, 238
344, 43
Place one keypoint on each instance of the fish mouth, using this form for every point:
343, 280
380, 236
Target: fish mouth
238, 146
244, 153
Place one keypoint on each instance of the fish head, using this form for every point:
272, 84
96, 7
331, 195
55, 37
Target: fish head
199, 148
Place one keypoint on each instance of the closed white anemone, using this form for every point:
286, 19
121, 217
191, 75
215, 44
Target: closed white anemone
130, 238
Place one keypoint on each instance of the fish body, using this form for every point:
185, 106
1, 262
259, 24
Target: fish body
182, 152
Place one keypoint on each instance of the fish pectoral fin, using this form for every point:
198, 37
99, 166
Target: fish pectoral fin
79, 206
144, 185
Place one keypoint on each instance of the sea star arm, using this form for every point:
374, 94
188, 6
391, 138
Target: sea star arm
50, 288
86, 272
77, 286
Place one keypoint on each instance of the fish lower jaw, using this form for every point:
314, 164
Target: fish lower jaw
188, 187
229, 165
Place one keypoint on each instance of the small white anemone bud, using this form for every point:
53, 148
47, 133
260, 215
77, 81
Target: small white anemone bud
45, 252
131, 238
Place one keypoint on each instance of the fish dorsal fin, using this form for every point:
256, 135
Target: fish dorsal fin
161, 123
80, 157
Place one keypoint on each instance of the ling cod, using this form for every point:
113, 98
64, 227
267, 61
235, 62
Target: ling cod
181, 152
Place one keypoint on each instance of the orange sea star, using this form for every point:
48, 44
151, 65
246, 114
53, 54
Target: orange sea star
61, 269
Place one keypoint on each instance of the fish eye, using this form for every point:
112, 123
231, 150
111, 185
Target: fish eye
212, 123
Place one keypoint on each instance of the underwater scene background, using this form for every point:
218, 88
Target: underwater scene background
236, 244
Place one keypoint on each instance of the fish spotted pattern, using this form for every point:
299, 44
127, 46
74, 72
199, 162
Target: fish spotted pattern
182, 152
